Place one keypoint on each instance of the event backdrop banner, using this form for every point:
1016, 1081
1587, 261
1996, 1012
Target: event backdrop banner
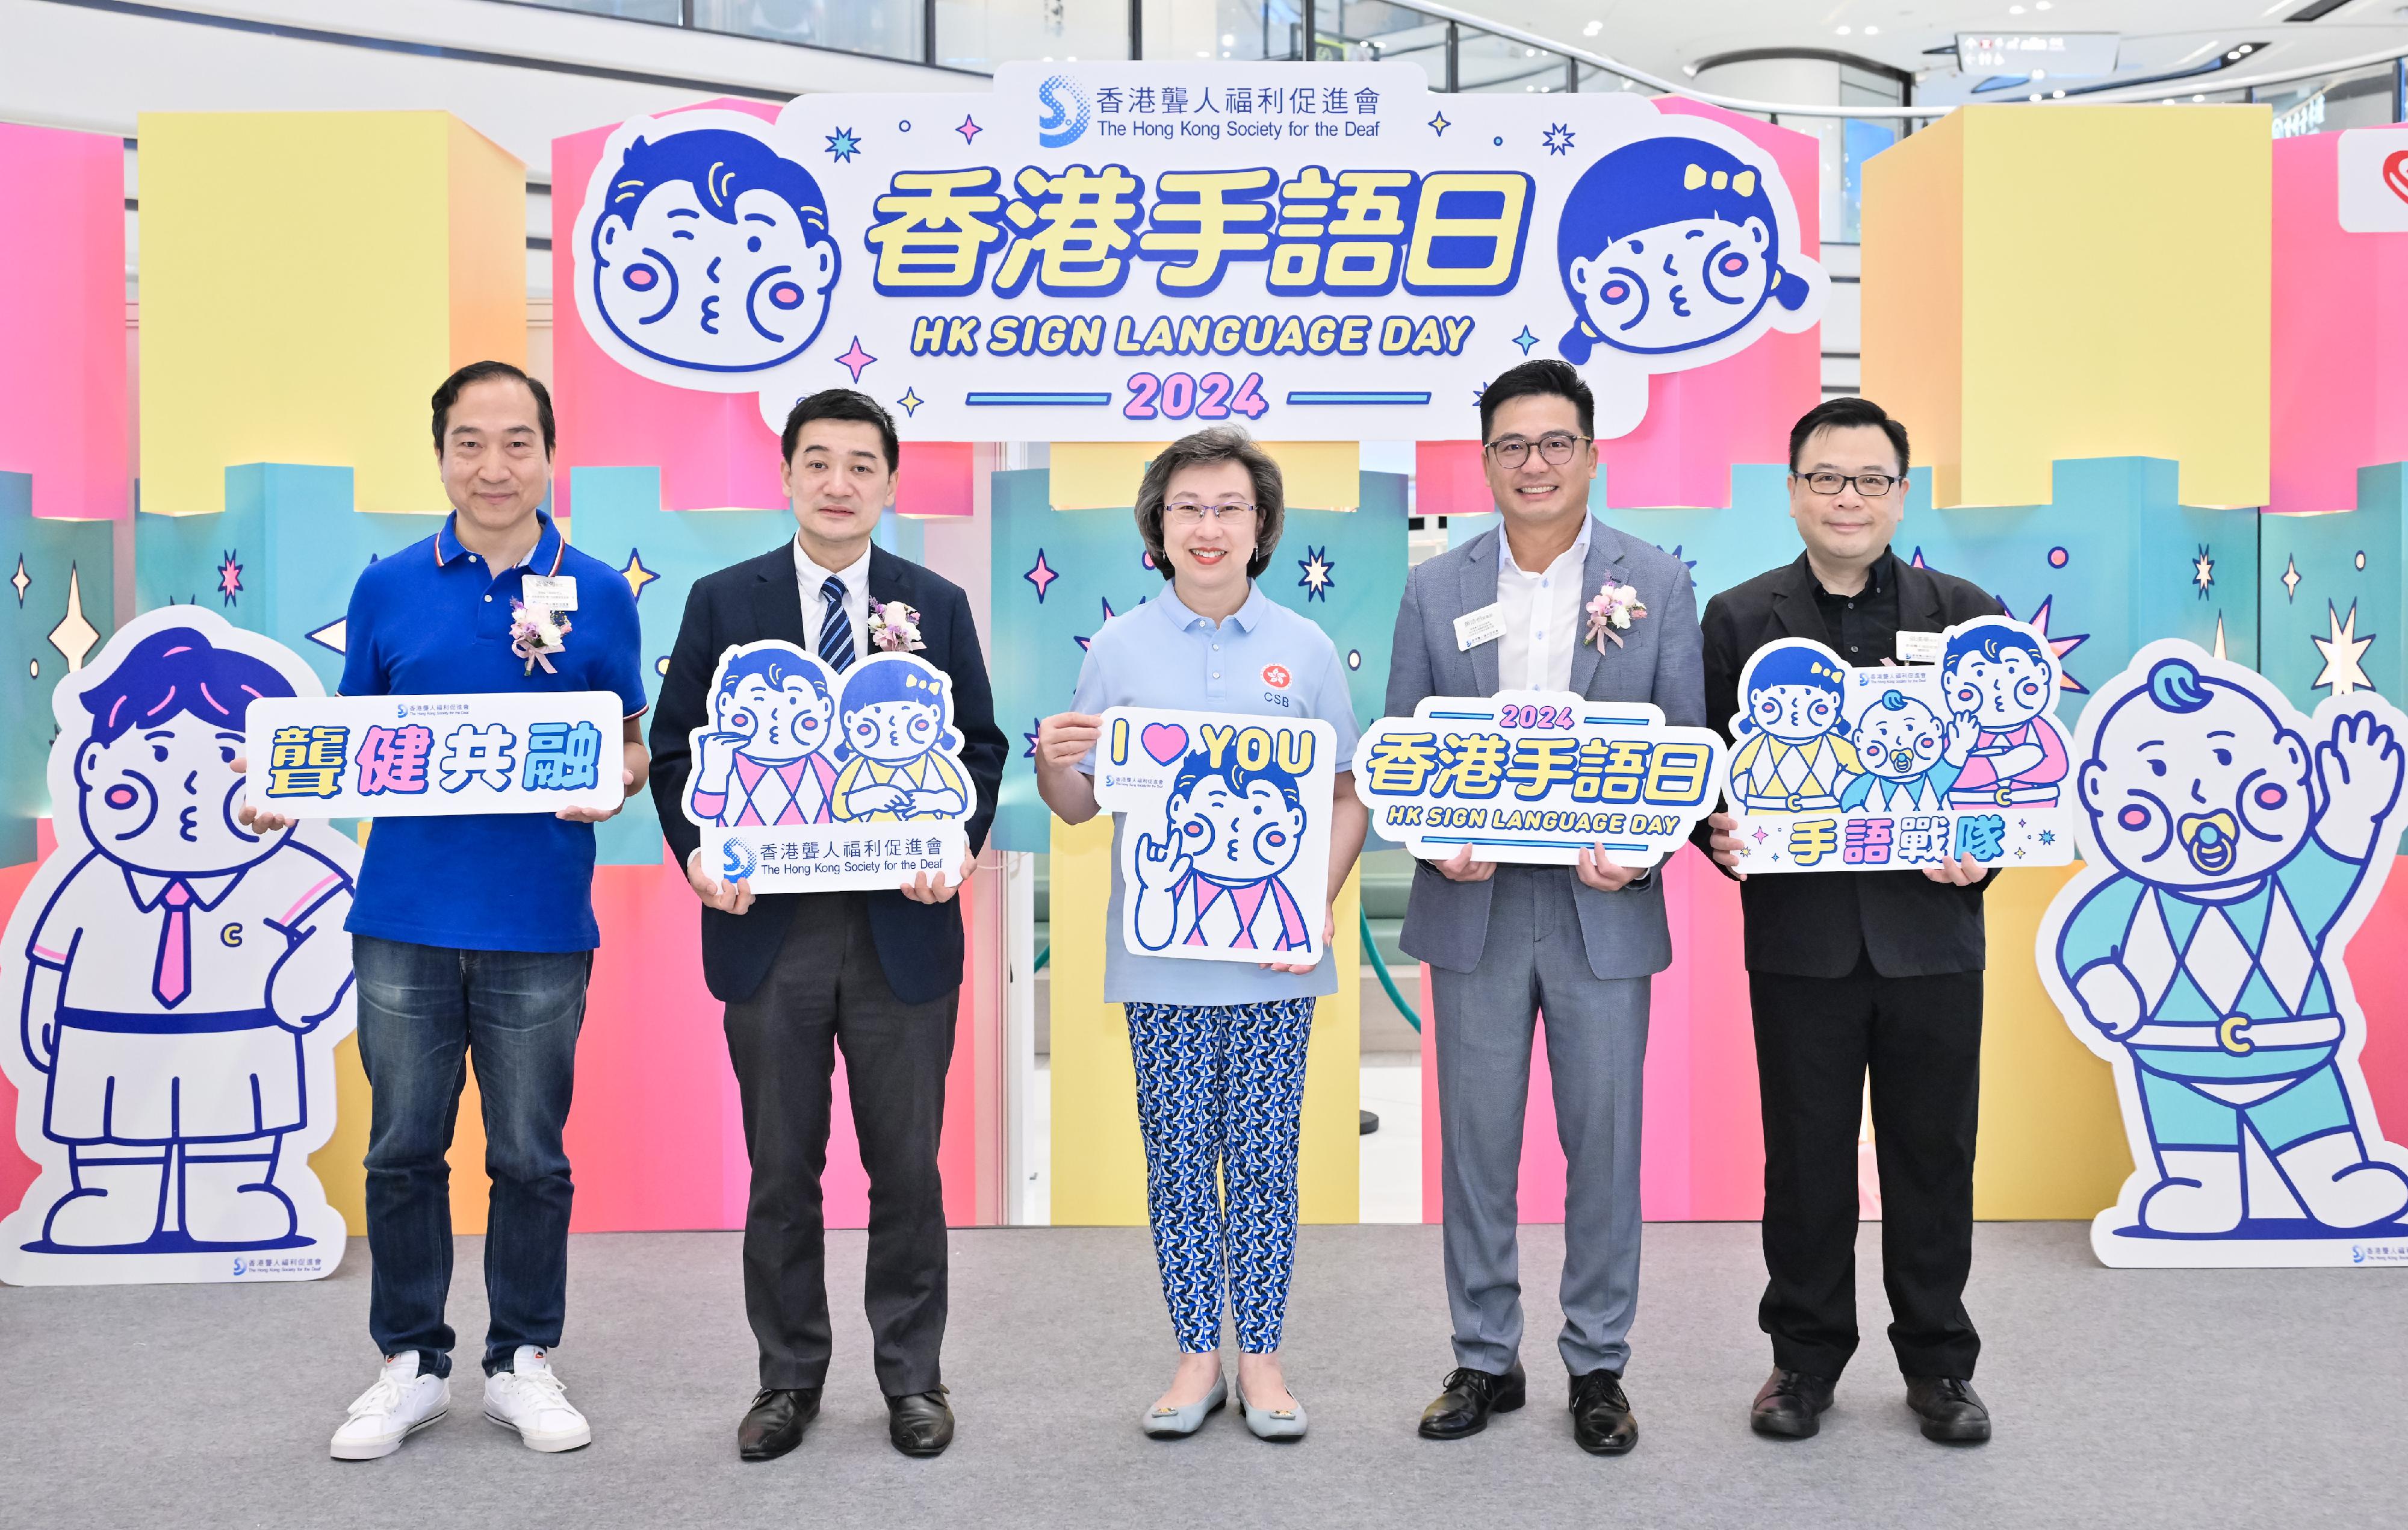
1838, 769
183, 982
1324, 252
1226, 857
1537, 777
805, 783
2231, 847
392, 756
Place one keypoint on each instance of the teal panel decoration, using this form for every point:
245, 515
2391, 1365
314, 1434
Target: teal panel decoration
60, 610
1345, 570
905, 536
659, 553
2328, 594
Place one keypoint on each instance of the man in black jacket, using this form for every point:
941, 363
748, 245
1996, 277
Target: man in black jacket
1852, 972
877, 973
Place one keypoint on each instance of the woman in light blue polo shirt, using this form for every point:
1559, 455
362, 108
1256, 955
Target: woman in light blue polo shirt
1219, 1046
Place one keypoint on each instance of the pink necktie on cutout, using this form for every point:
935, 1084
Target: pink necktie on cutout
171, 979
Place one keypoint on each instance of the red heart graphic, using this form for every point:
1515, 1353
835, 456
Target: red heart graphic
1165, 742
2395, 174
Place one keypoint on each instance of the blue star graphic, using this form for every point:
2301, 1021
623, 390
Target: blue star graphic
2048, 836
1031, 736
1689, 563
1320, 575
1526, 339
843, 145
1557, 138
1108, 614
1041, 576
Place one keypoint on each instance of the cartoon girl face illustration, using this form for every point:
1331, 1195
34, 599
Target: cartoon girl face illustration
1794, 711
156, 792
1233, 833
1667, 245
1999, 679
2199, 786
893, 732
711, 253
1899, 738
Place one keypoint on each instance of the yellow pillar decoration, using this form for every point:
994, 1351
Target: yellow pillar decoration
1097, 474
308, 278
1320, 474
2074, 281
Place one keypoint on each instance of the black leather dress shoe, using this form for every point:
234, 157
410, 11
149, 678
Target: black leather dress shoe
1951, 1411
1601, 1420
1462, 1409
920, 1423
1790, 1405
776, 1423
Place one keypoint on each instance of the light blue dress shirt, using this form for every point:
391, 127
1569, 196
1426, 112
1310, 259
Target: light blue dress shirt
1162, 654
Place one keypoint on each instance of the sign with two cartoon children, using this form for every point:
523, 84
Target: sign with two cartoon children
1119, 251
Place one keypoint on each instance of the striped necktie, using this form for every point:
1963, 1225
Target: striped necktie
836, 628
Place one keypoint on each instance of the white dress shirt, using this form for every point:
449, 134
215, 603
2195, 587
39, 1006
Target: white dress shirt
1541, 613
811, 576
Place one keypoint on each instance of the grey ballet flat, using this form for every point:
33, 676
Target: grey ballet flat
1179, 1422
1283, 1426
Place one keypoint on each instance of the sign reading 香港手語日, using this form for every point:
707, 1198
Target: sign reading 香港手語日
1125, 251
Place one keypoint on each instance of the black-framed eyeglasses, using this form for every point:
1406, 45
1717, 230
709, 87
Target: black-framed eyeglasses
1555, 447
1872, 485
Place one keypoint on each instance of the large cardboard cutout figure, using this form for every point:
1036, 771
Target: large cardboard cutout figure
2233, 848
181, 982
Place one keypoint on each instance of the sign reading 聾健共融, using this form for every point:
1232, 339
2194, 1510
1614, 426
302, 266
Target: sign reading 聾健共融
807, 782
1902, 767
1226, 853
389, 757
1537, 777
1125, 251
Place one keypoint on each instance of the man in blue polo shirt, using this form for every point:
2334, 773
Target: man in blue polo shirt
475, 935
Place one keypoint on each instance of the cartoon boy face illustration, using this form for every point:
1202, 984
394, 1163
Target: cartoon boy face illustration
2000, 684
2197, 799
896, 729
159, 796
762, 760
1910, 755
1212, 879
1996, 675
1670, 244
711, 253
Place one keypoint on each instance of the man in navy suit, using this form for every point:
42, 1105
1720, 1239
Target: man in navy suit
801, 973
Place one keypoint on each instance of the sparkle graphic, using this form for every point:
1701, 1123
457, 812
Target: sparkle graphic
1040, 575
1438, 124
910, 402
2202, 570
1320, 575
74, 637
635, 574
331, 635
969, 130
1479, 393
1031, 736
857, 360
2060, 647
1917, 561
229, 578
1689, 563
2290, 579
1108, 614
2047, 836
20, 581
1557, 138
2342, 672
2220, 635
843, 145
1526, 339
1761, 836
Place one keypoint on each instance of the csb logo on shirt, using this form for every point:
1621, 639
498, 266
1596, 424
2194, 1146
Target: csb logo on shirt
1276, 676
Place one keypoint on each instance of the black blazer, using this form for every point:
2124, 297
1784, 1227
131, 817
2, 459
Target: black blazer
919, 945
1812, 924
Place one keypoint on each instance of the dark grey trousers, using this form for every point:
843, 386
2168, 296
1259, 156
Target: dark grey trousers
826, 991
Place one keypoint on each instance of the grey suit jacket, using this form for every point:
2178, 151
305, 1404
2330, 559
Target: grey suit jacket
1446, 923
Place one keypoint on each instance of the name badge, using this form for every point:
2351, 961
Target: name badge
1920, 647
549, 594
1474, 628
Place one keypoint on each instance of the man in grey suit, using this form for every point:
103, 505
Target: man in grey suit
1504, 611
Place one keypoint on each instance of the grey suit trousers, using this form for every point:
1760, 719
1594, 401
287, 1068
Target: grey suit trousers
1596, 1046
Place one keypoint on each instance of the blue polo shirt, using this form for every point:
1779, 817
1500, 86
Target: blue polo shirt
435, 619
1263, 660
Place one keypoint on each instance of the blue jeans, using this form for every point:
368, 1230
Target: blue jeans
423, 1010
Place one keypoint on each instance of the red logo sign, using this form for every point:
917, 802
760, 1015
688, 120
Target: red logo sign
1276, 676
2395, 174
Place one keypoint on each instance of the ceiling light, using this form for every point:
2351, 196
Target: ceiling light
1227, 40
2014, 10
2039, 4
2034, 97
2199, 98
1592, 29
1843, 32
2058, 93
1871, 30
2040, 74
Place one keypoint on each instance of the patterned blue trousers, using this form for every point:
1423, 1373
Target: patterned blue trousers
1220, 1091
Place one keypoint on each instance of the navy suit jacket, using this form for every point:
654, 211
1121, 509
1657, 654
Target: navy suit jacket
919, 945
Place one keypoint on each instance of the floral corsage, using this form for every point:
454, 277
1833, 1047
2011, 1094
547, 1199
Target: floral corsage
895, 627
1610, 611
537, 633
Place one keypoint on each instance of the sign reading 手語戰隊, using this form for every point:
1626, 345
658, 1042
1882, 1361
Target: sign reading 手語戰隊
389, 756
1124, 251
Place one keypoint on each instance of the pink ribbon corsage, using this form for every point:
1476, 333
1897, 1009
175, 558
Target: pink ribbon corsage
537, 633
895, 627
1610, 611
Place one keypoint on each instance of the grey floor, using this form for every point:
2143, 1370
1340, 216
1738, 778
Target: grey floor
2274, 1398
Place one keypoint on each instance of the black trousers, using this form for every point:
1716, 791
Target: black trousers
827, 990
1921, 1040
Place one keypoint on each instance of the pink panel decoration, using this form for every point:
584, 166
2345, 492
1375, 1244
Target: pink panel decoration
935, 479
63, 405
2340, 385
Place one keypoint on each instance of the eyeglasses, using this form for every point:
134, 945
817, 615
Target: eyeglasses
1872, 485
1191, 514
1555, 447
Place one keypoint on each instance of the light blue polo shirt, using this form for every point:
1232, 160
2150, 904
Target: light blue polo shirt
435, 619
1162, 654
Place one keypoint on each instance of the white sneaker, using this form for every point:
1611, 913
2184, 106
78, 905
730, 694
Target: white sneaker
529, 1399
400, 1404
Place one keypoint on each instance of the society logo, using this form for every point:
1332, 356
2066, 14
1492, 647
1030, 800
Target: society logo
1065, 118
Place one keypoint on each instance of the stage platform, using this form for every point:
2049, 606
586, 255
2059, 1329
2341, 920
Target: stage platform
211, 1404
